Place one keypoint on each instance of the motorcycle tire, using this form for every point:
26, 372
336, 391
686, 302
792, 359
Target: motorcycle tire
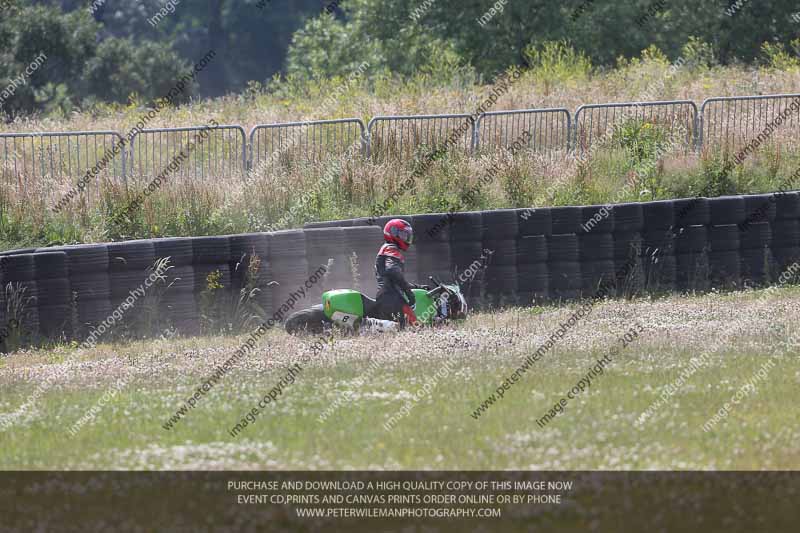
311, 320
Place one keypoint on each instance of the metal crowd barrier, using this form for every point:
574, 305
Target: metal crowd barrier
596, 123
47, 162
209, 152
400, 137
733, 121
549, 129
291, 144
44, 164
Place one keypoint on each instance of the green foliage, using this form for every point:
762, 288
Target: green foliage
718, 172
556, 63
326, 47
121, 67
518, 185
642, 140
776, 57
445, 188
108, 55
223, 310
698, 53
76, 69
116, 51
378, 33
384, 31
210, 304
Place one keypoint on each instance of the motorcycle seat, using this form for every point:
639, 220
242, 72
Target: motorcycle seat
369, 305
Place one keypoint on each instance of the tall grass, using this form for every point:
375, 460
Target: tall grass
556, 77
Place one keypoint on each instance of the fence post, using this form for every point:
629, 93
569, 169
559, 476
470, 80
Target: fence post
124, 161
699, 129
365, 144
476, 133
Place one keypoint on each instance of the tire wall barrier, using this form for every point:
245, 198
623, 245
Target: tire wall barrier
500, 257
533, 273
563, 253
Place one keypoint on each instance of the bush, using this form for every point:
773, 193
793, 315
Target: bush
554, 63
642, 140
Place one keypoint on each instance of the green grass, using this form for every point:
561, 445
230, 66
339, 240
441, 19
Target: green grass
597, 430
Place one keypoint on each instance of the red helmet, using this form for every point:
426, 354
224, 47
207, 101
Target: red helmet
398, 231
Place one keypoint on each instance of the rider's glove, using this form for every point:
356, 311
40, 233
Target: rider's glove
412, 300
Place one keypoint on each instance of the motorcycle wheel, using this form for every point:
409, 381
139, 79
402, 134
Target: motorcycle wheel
312, 320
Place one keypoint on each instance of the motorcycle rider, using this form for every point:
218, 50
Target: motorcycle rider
395, 300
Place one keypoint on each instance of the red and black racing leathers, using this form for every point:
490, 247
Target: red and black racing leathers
392, 284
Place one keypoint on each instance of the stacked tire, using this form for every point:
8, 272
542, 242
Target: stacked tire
90, 282
755, 238
760, 208
596, 250
786, 232
212, 278
249, 256
727, 212
54, 295
692, 218
628, 227
658, 246
329, 224
287, 257
564, 266
178, 301
500, 232
326, 249
432, 244
533, 275
466, 250
691, 258
129, 262
723, 257
757, 264
564, 220
3, 318
364, 241
20, 271
563, 255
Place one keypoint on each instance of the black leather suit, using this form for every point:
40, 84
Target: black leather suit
392, 284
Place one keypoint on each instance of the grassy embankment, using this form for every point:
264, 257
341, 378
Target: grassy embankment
558, 79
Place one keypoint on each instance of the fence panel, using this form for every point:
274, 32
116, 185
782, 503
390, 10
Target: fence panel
400, 137
732, 122
595, 124
292, 144
44, 165
549, 129
221, 154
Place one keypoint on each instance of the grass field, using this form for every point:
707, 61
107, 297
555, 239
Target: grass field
361, 382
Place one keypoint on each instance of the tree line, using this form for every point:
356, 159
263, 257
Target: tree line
106, 51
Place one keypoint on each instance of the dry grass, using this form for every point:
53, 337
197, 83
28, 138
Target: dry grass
226, 204
388, 97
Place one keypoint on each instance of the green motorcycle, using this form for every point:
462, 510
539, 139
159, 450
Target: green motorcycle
351, 310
